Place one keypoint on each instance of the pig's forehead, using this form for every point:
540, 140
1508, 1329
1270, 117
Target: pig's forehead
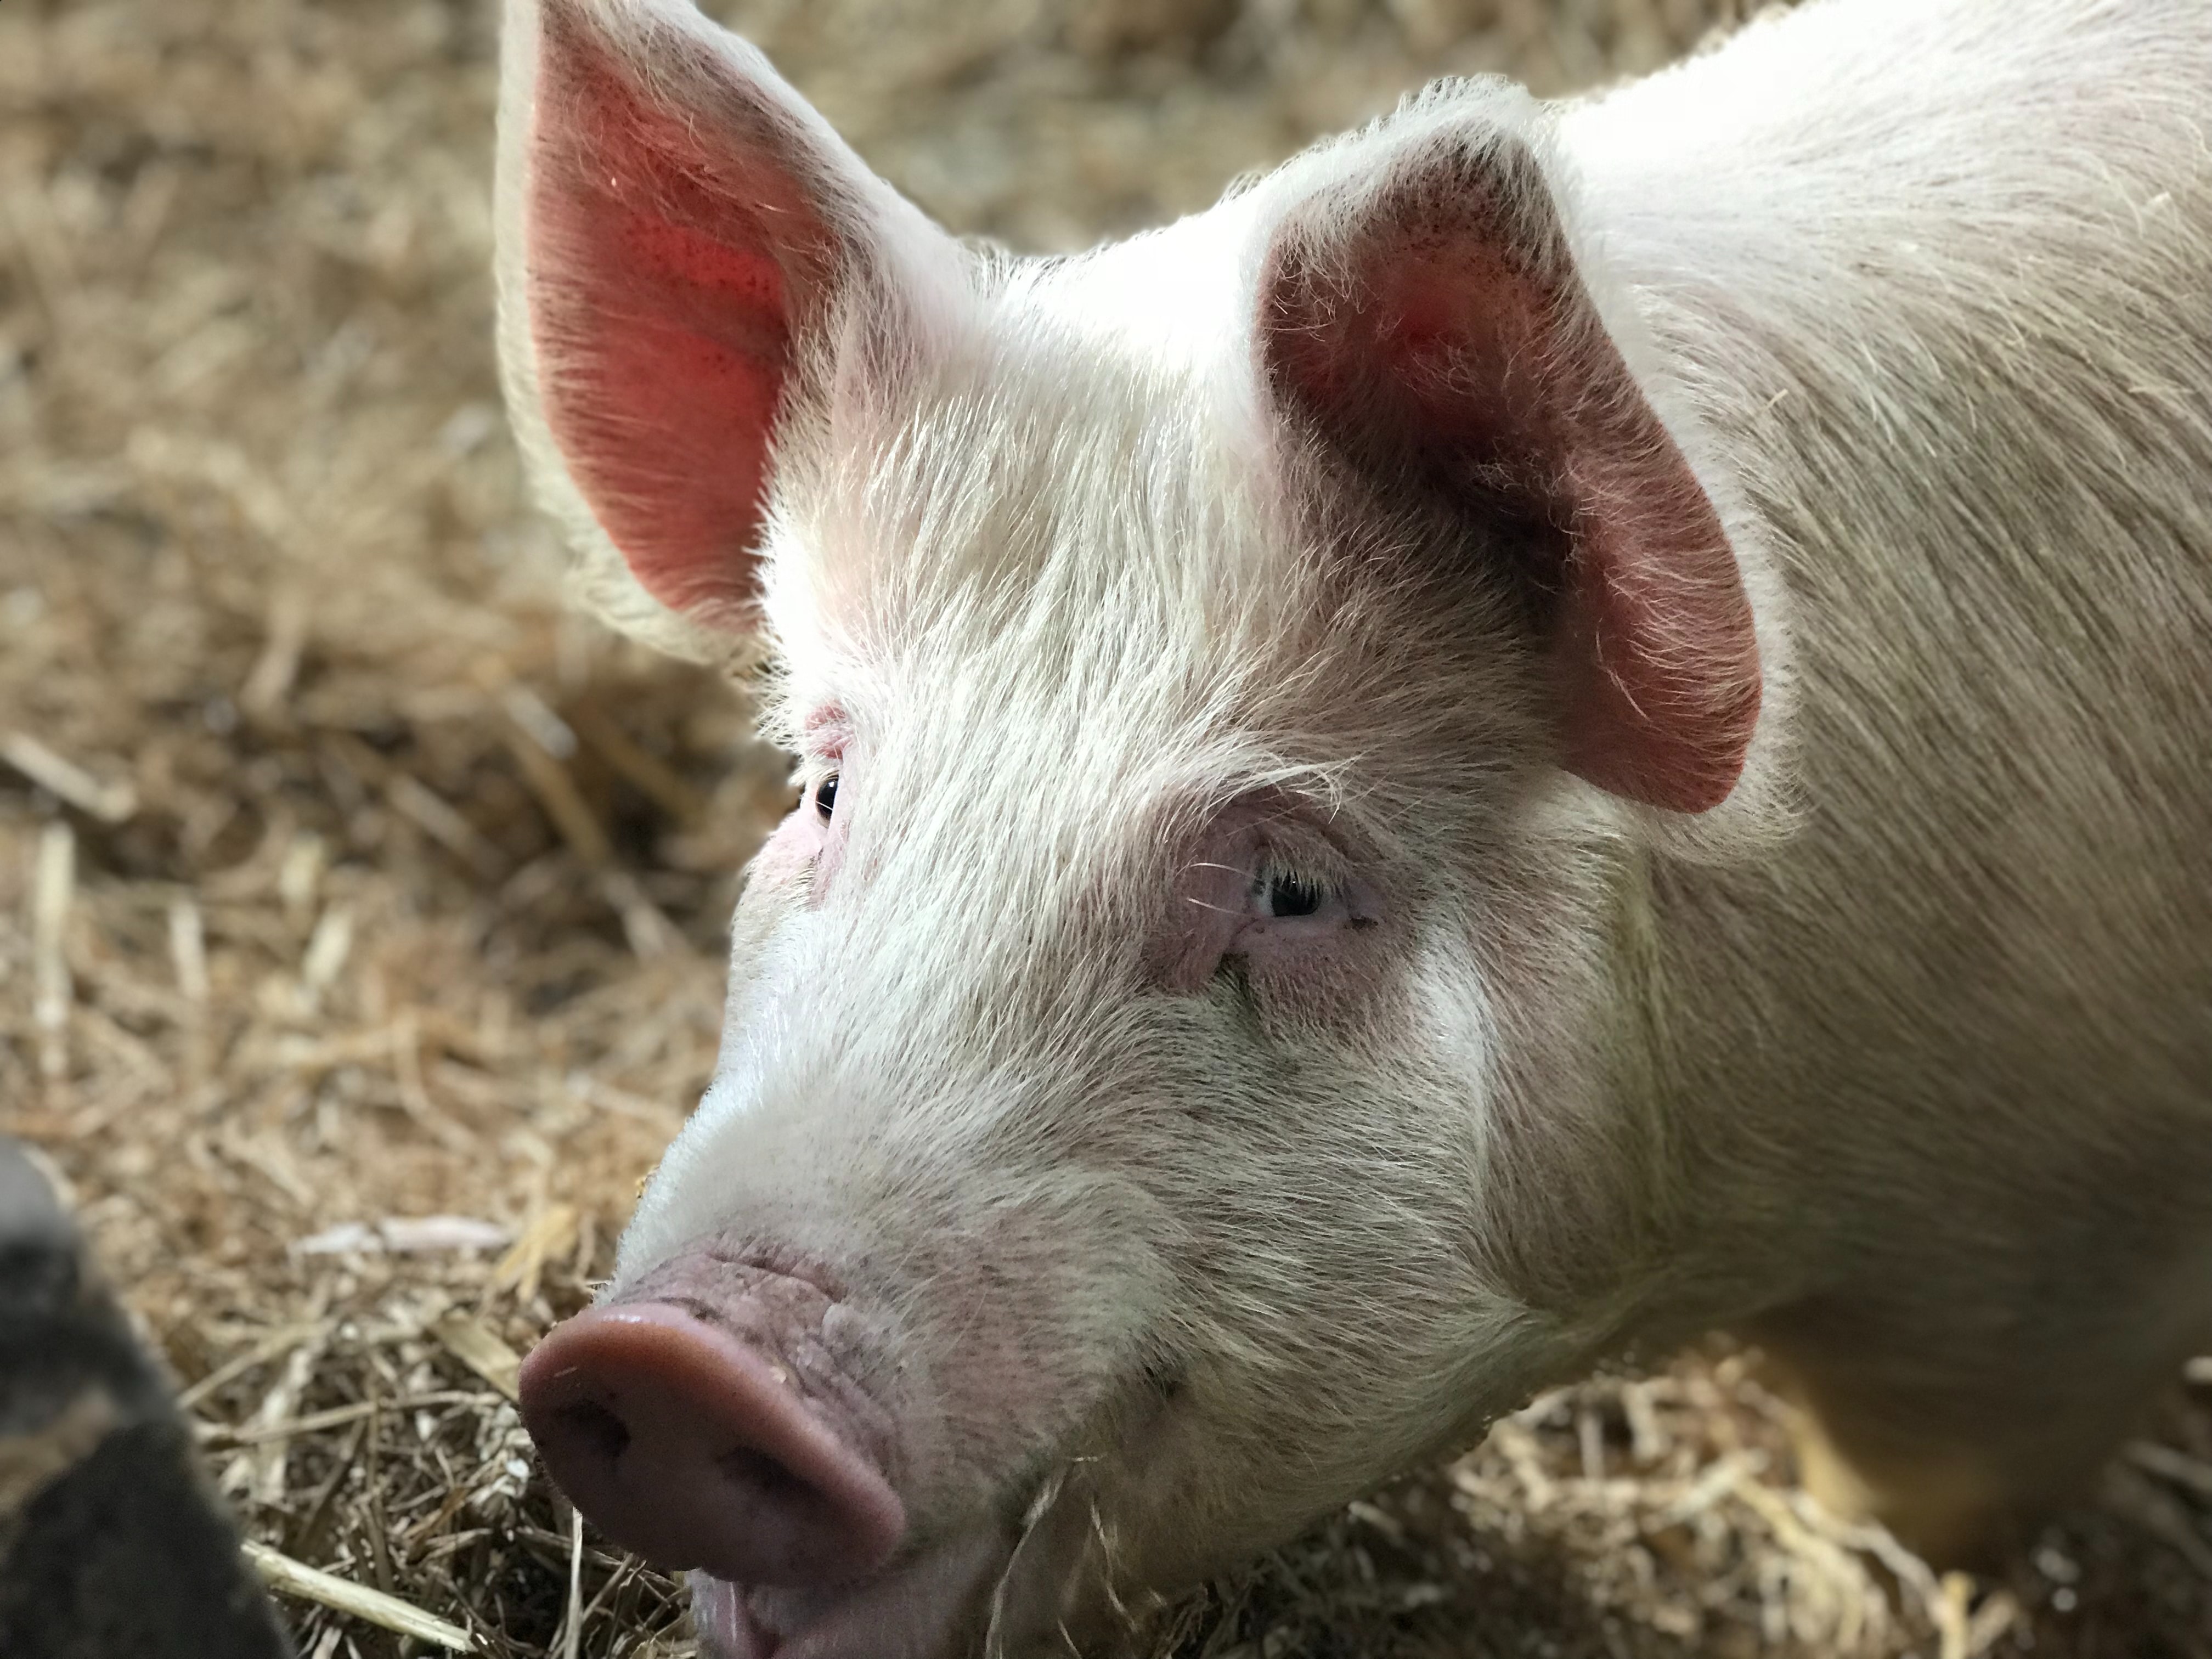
1078, 464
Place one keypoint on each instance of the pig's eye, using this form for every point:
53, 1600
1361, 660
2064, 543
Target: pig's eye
1288, 895
825, 795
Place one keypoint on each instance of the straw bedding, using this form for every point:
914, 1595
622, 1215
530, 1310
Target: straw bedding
361, 909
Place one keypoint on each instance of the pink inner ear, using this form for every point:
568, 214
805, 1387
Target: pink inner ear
1465, 350
672, 254
1666, 695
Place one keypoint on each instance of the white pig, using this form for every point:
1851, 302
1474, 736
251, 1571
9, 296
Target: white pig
1555, 725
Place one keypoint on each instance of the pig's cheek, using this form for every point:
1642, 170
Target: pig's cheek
778, 886
789, 854
1346, 985
828, 862
770, 900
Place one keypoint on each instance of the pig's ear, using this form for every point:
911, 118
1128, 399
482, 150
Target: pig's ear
1428, 323
681, 238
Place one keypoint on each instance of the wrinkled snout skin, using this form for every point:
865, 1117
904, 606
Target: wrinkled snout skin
1554, 726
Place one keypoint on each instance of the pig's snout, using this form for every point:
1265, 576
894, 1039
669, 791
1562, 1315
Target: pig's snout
684, 1444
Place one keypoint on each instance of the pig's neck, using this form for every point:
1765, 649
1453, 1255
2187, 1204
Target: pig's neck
1931, 276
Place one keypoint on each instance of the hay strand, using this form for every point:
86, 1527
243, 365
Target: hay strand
290, 1578
111, 802
53, 892
472, 1342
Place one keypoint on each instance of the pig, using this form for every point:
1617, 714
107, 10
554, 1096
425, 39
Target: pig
1555, 727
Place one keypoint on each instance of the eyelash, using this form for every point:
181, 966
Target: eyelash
1286, 893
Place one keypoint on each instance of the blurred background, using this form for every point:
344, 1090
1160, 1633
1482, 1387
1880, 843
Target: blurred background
361, 909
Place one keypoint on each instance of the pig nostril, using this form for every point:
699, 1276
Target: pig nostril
595, 1426
766, 1476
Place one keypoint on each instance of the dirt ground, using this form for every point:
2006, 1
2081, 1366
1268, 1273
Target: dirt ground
361, 909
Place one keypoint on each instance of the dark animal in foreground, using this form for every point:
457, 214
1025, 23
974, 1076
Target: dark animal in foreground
111, 1543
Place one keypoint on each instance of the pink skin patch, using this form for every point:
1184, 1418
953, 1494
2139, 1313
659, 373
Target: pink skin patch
672, 257
810, 843
1265, 886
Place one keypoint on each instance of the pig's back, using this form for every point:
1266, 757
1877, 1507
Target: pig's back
1938, 276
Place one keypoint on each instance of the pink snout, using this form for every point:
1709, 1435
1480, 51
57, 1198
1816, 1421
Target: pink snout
685, 1444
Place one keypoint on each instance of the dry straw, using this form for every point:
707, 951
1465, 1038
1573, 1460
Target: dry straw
344, 880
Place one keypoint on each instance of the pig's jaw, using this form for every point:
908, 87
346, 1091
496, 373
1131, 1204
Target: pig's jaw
928, 1609
1017, 1592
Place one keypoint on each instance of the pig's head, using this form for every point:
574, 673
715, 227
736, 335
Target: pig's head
1162, 1086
